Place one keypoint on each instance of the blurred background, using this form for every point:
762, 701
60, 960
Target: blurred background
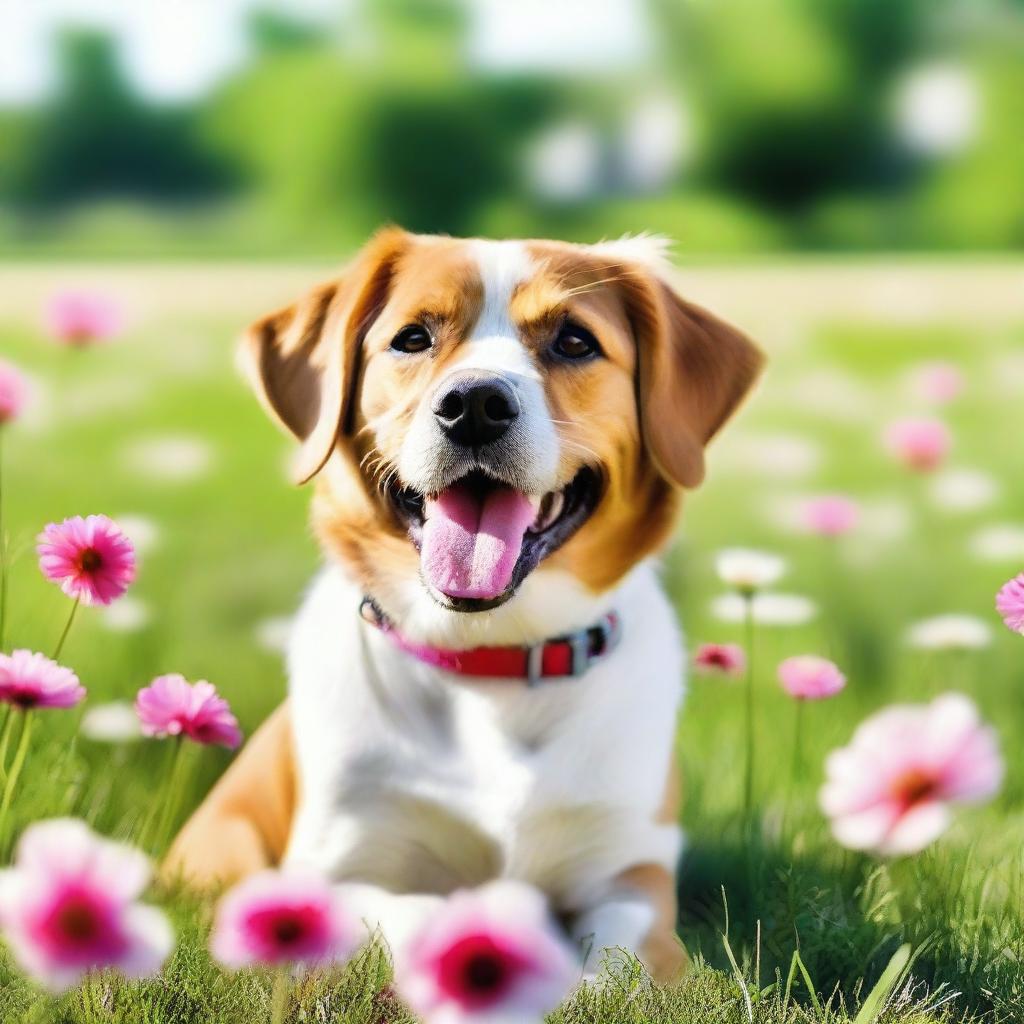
262, 128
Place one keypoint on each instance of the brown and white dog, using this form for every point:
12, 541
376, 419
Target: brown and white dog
500, 433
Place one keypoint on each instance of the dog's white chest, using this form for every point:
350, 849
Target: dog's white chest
418, 783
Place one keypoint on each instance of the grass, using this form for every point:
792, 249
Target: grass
784, 926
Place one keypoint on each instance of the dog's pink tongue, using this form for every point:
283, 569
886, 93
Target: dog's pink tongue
471, 542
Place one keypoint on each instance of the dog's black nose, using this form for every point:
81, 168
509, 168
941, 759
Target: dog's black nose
475, 409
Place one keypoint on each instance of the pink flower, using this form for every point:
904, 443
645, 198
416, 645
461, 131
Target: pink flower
720, 659
1010, 604
277, 917
920, 444
78, 319
68, 906
938, 382
891, 789
30, 680
171, 706
489, 955
92, 559
807, 677
13, 392
830, 515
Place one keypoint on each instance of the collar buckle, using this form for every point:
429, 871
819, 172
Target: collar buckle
586, 646
592, 643
579, 642
535, 664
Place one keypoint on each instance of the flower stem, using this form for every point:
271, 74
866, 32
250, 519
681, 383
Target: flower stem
748, 777
67, 629
798, 743
5, 741
170, 803
16, 765
155, 807
279, 996
798, 764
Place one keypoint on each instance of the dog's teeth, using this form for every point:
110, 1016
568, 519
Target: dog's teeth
550, 510
555, 511
542, 511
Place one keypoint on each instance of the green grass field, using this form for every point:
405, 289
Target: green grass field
231, 550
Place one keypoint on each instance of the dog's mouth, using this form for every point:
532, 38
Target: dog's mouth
479, 538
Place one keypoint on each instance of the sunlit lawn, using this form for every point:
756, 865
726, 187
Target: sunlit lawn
231, 550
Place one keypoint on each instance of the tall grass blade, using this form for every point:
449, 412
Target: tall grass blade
884, 986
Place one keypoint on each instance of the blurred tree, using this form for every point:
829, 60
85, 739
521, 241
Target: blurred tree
788, 135
436, 156
335, 137
95, 138
785, 114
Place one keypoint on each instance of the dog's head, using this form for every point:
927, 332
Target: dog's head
480, 412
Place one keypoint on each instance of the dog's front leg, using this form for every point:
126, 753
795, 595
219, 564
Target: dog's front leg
638, 915
640, 908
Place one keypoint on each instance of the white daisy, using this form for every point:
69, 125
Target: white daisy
887, 518
1001, 542
1007, 373
950, 633
97, 399
747, 569
170, 458
126, 615
115, 722
40, 412
832, 393
963, 490
768, 609
775, 456
142, 531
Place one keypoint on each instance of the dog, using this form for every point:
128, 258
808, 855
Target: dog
485, 679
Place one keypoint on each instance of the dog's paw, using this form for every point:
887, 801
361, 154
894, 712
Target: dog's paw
610, 927
393, 917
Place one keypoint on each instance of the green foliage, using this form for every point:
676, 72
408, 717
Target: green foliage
778, 130
95, 138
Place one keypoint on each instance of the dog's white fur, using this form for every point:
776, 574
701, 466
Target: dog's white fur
421, 781
494, 346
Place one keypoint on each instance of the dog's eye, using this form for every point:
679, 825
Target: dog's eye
575, 342
412, 339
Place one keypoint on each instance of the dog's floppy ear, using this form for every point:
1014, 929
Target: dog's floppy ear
692, 371
303, 361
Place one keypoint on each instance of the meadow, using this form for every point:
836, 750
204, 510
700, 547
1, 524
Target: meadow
155, 429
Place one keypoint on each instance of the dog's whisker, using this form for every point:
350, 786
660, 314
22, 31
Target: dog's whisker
583, 289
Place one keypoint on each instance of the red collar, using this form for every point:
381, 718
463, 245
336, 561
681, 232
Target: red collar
557, 658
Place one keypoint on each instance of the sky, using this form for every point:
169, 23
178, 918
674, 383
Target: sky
171, 49
175, 50
558, 35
